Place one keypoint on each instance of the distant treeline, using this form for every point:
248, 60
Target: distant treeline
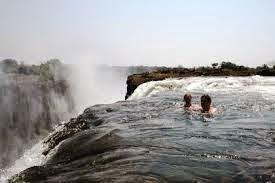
216, 69
49, 70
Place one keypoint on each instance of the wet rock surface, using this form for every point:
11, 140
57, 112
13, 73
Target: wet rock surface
74, 126
149, 140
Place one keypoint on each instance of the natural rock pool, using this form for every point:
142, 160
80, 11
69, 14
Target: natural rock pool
152, 139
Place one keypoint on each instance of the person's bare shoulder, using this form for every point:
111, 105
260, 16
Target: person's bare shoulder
195, 107
212, 110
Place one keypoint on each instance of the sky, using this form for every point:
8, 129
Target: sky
139, 32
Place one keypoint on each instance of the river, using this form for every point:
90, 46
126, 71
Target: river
151, 138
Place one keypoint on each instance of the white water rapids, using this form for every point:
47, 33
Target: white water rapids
265, 86
226, 85
32, 157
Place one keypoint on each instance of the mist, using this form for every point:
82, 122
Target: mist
96, 84
98, 40
91, 37
31, 108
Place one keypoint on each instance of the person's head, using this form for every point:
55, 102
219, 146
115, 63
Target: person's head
188, 99
205, 102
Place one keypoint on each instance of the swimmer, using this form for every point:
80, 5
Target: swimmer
206, 105
188, 103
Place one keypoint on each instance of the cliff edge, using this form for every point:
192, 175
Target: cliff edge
223, 69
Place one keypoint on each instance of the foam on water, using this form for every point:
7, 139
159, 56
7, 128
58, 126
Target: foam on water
258, 84
155, 136
32, 157
264, 86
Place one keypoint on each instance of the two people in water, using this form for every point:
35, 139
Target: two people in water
205, 104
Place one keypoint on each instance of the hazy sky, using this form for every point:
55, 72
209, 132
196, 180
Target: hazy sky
140, 32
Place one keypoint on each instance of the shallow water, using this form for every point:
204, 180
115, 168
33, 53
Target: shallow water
154, 139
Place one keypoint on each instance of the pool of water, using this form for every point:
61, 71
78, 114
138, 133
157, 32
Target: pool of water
151, 138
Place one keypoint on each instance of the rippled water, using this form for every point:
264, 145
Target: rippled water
239, 141
154, 139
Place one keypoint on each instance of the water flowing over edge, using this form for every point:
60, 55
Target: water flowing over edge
263, 85
31, 157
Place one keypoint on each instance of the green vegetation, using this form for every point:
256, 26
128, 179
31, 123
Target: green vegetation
217, 69
50, 70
